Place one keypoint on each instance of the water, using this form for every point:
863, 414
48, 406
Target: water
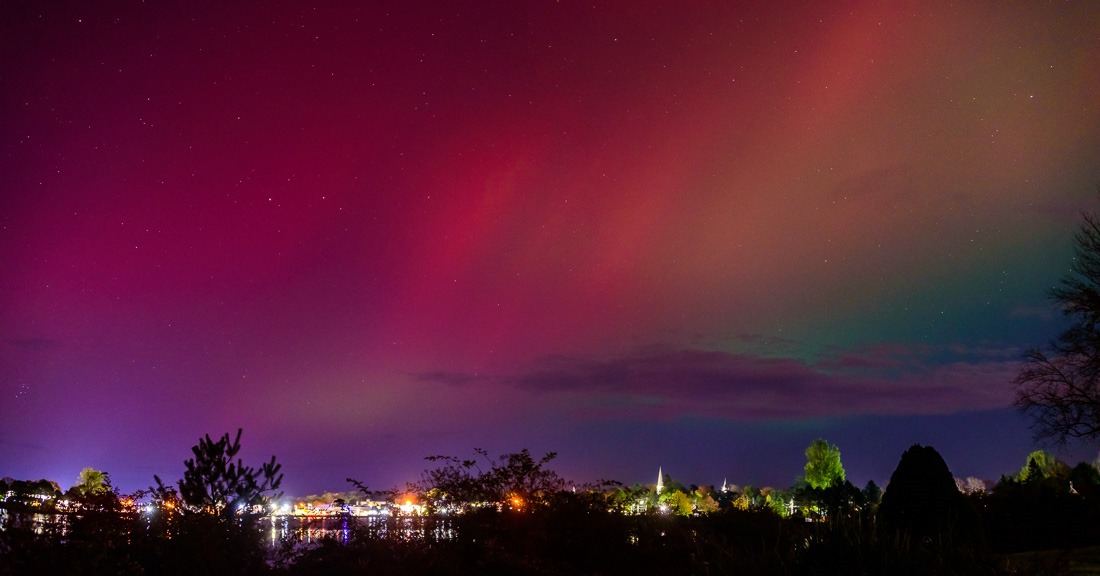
37, 522
279, 530
308, 530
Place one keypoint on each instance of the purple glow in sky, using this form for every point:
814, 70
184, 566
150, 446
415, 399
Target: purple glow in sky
639, 234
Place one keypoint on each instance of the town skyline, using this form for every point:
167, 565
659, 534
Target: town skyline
354, 484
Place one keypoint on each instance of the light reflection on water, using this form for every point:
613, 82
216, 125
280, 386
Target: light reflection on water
282, 530
308, 530
37, 522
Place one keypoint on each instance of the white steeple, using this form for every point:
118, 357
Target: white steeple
660, 480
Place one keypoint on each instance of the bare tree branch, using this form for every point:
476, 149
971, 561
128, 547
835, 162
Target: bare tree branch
1058, 387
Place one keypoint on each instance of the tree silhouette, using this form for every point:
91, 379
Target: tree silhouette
922, 499
1057, 386
517, 481
215, 484
207, 526
872, 494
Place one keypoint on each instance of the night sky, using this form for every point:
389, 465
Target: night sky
640, 234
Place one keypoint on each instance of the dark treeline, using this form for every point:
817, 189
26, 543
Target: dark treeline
515, 515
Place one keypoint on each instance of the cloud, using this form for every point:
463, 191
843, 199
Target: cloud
771, 342
449, 378
887, 380
34, 343
21, 445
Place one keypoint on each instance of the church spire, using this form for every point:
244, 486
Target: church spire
660, 480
